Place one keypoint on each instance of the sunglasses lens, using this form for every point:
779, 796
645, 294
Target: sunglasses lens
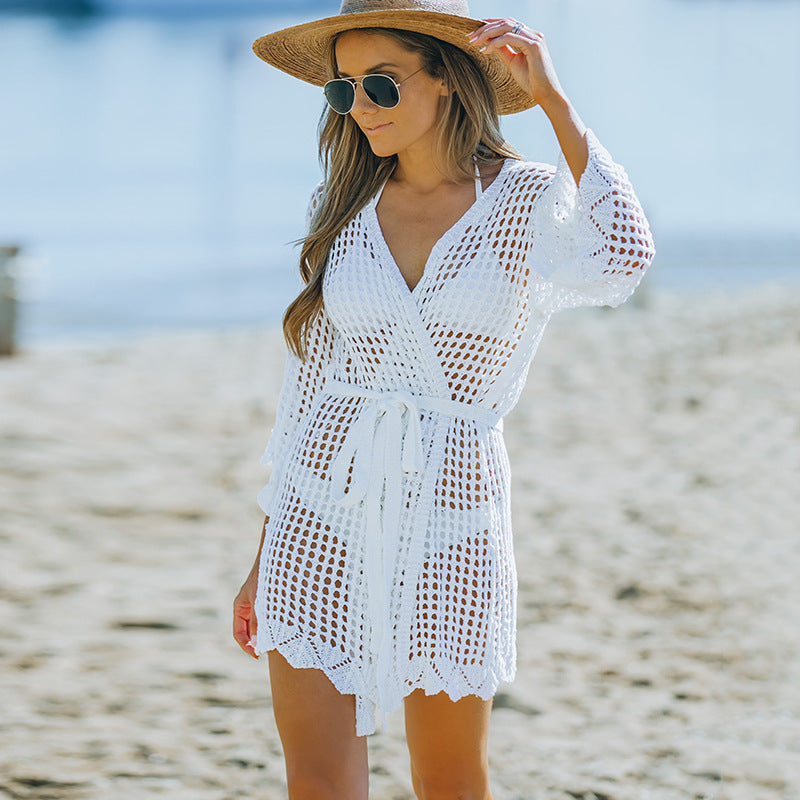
382, 90
340, 95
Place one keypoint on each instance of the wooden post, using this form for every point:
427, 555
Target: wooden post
8, 300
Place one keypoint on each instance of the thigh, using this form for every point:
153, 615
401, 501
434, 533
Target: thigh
448, 744
317, 728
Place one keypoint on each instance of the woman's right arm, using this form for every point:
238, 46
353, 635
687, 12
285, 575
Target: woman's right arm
302, 384
302, 381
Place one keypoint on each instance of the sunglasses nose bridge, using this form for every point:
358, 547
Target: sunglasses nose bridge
360, 96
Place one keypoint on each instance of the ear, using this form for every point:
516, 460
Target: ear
445, 90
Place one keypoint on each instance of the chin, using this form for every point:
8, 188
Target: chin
383, 150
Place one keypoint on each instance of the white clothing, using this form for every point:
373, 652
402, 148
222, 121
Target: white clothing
387, 561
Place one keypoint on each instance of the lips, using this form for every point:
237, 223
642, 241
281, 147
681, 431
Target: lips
376, 128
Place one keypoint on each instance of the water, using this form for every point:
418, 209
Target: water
156, 171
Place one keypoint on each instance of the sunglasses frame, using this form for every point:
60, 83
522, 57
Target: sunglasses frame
358, 80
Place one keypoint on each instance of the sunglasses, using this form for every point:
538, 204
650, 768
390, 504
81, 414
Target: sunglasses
380, 89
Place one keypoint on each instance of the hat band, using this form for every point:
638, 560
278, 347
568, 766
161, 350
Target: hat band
457, 7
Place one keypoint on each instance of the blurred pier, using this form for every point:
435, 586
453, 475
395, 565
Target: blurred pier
8, 299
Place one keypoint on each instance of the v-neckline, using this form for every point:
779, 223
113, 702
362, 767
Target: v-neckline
444, 239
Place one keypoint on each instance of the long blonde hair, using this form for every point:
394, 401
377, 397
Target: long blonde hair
467, 127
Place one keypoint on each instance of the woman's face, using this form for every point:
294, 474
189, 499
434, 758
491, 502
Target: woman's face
391, 131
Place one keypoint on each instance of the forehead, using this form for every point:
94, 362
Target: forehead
359, 52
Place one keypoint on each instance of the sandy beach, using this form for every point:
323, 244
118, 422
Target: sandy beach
656, 462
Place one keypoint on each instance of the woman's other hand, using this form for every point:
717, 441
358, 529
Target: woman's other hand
244, 615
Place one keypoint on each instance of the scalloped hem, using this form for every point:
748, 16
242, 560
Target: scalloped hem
301, 654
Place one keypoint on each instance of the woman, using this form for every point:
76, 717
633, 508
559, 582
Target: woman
434, 258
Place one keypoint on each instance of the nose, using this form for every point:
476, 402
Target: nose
361, 101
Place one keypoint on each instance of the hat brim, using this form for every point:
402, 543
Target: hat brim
302, 50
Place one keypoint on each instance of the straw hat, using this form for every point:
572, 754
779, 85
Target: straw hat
303, 50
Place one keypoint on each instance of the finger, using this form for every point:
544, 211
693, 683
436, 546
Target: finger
528, 34
244, 628
499, 21
241, 629
508, 42
513, 43
253, 627
505, 23
487, 30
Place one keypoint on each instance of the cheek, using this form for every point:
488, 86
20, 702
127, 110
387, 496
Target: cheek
421, 117
412, 121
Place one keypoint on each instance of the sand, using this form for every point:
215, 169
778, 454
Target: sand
655, 455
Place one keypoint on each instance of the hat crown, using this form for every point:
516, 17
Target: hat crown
458, 7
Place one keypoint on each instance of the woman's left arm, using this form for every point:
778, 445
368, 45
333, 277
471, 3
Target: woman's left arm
590, 238
526, 55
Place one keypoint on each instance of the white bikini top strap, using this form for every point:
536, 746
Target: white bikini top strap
380, 192
478, 183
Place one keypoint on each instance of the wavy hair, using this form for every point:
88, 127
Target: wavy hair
468, 126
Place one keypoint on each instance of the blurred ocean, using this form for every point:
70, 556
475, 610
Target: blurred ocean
155, 171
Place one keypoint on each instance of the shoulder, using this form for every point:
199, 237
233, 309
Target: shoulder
313, 203
529, 173
524, 181
316, 196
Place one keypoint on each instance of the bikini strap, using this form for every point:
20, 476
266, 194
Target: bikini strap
478, 182
376, 199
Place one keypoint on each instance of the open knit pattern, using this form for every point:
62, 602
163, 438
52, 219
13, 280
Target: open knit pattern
388, 561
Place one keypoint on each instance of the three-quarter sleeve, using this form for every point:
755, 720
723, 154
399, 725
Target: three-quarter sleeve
302, 382
301, 386
591, 242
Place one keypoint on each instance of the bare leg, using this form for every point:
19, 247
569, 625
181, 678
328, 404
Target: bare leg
325, 760
448, 745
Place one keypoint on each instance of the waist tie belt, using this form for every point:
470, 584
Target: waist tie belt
382, 444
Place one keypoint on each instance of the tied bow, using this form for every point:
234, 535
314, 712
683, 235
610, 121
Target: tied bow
380, 448
384, 443
391, 421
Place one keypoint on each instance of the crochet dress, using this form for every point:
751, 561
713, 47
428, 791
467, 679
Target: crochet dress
387, 561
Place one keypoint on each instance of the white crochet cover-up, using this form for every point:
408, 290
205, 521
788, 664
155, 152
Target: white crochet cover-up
387, 561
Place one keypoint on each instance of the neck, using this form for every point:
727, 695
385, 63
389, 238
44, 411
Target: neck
418, 174
417, 171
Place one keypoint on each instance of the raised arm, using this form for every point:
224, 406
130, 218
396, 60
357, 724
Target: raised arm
589, 235
526, 55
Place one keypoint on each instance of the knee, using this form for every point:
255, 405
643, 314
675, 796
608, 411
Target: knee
444, 786
307, 786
